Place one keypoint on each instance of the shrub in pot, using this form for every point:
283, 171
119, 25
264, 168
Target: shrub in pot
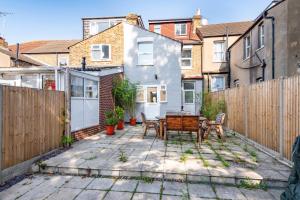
120, 115
110, 122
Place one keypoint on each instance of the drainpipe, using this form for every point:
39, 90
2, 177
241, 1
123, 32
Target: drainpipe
273, 41
263, 70
17, 56
83, 64
229, 68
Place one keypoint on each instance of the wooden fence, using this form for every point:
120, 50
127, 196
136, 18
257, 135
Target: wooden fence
267, 113
32, 123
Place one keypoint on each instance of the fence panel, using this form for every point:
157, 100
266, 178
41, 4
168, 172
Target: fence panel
255, 112
32, 123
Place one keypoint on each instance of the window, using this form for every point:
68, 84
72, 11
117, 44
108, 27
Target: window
100, 52
189, 92
186, 57
30, 81
145, 53
62, 61
157, 29
76, 86
180, 29
217, 83
48, 82
151, 94
140, 94
91, 89
163, 93
219, 51
261, 38
247, 47
98, 26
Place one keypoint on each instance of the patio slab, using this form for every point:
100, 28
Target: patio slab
179, 159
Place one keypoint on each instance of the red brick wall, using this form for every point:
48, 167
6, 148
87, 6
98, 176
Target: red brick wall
105, 103
168, 29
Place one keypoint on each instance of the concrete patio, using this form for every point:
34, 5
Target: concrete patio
231, 162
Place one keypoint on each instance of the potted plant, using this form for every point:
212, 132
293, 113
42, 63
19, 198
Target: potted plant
110, 121
131, 103
120, 115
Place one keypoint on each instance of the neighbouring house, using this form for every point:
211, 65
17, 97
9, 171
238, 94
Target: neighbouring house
149, 59
93, 25
270, 48
184, 30
48, 52
10, 59
216, 38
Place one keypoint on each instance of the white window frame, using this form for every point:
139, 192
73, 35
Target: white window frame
211, 83
261, 36
100, 49
247, 47
179, 26
111, 22
187, 47
157, 27
149, 41
63, 57
141, 87
188, 90
222, 42
160, 89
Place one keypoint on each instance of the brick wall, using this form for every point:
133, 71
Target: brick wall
83, 133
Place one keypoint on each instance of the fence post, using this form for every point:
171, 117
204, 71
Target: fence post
246, 110
1, 132
67, 102
281, 116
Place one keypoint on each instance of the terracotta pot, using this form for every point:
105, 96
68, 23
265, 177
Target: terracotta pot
132, 121
110, 129
120, 125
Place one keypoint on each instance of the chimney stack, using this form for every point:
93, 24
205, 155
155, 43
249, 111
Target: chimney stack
3, 43
197, 20
133, 19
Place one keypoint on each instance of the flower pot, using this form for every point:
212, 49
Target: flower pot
132, 121
110, 129
120, 125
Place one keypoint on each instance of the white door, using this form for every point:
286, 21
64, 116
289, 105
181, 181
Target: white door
189, 97
152, 105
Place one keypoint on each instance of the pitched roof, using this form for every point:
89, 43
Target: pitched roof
234, 28
21, 57
44, 46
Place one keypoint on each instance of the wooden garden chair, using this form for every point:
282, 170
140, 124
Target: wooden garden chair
217, 125
148, 124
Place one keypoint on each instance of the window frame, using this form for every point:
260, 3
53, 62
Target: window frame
222, 42
62, 57
180, 32
111, 23
261, 35
100, 49
166, 90
247, 47
141, 87
145, 53
84, 97
187, 47
157, 26
188, 90
211, 83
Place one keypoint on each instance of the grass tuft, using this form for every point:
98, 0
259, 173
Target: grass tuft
122, 156
248, 184
189, 151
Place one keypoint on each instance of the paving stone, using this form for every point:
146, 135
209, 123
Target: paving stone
91, 195
125, 185
174, 188
224, 192
56, 181
64, 194
78, 182
256, 194
169, 197
113, 195
101, 184
145, 196
201, 190
40, 192
276, 193
153, 187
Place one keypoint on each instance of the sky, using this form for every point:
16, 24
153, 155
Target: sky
61, 19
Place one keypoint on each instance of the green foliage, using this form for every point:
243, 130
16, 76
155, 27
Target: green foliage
146, 179
123, 157
248, 184
183, 158
110, 118
189, 151
119, 113
211, 108
124, 93
66, 140
41, 164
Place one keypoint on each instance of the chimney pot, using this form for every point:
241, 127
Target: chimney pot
3, 43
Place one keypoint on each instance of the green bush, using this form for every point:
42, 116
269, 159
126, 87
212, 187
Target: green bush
110, 118
211, 108
66, 140
119, 113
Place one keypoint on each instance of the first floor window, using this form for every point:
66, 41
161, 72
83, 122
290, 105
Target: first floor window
261, 32
217, 83
189, 92
77, 86
151, 94
91, 89
145, 53
219, 51
186, 57
98, 26
247, 47
100, 52
180, 29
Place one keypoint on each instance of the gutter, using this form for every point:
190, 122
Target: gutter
273, 41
